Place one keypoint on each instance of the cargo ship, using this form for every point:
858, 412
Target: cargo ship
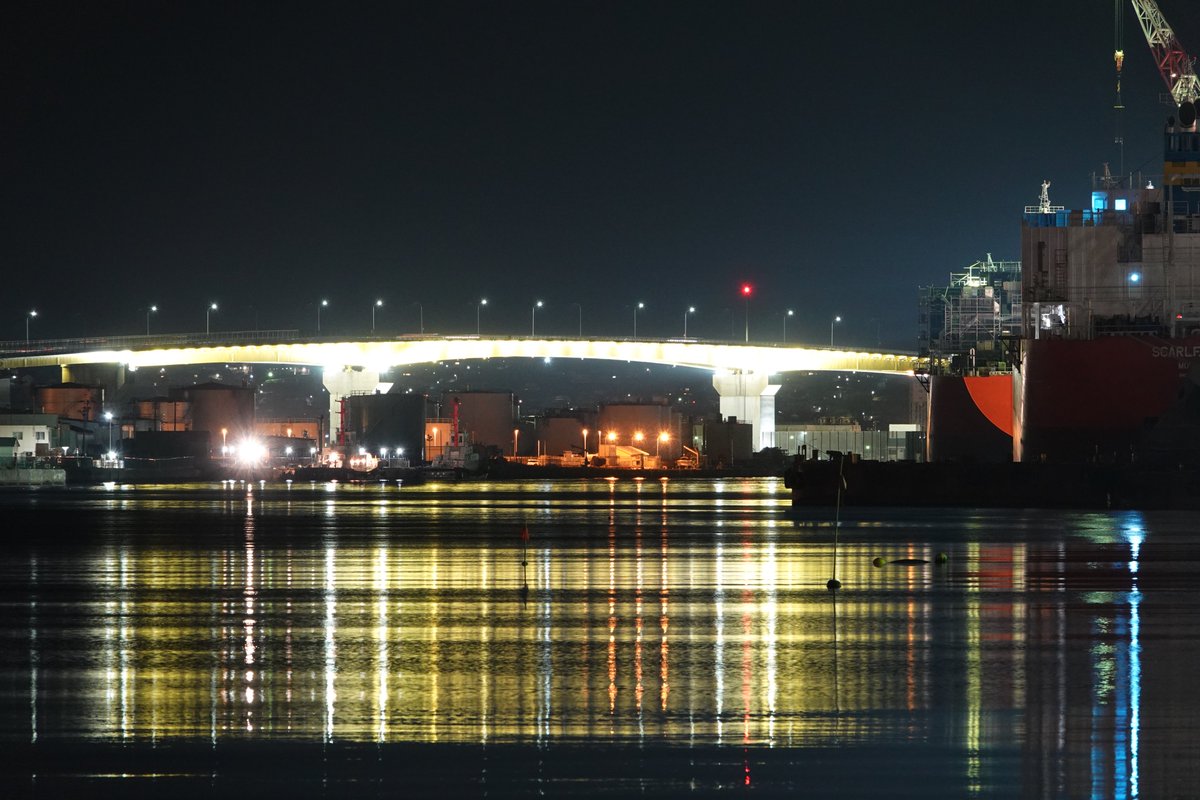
1100, 358
1108, 367
1093, 400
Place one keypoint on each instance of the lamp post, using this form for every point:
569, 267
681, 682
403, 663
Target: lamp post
635, 310
690, 310
747, 289
585, 434
420, 318
211, 307
108, 416
831, 323
149, 311
533, 322
29, 316
482, 302
375, 305
789, 313
579, 309
516, 432
224, 434
662, 437
320, 305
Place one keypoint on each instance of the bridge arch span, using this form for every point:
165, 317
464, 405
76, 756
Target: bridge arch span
741, 372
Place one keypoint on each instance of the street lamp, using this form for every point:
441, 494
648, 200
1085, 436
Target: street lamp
516, 432
482, 302
533, 321
320, 305
585, 434
377, 304
420, 318
28, 317
690, 310
747, 289
224, 434
579, 308
635, 310
108, 415
831, 322
211, 307
789, 313
662, 437
149, 311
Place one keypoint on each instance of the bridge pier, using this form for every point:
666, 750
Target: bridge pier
749, 396
342, 382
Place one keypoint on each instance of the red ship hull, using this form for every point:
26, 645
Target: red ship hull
1112, 399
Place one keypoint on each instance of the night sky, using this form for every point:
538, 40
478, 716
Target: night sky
265, 155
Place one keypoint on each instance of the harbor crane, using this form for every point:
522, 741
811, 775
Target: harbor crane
1177, 68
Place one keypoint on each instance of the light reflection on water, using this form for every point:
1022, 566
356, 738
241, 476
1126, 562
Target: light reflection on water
685, 612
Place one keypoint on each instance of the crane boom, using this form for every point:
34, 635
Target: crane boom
1174, 64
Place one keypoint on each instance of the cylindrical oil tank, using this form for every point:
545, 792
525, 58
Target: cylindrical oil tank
484, 418
166, 415
226, 412
71, 401
375, 421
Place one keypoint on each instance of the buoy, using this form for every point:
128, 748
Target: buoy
833, 585
879, 562
942, 558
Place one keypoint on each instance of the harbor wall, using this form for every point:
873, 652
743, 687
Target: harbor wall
32, 477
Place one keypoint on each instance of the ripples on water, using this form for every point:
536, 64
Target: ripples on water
660, 636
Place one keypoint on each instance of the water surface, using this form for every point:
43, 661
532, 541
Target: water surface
660, 637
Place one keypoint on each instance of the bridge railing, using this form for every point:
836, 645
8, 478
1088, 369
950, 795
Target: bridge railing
37, 347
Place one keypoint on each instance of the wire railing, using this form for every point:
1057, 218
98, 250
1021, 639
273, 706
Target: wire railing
35, 347
44, 347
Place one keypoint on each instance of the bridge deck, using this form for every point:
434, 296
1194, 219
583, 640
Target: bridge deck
378, 354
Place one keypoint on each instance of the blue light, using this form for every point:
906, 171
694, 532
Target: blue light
1135, 277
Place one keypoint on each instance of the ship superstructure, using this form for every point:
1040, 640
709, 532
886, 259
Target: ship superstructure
969, 319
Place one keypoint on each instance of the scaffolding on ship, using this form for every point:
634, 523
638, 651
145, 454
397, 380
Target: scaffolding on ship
970, 316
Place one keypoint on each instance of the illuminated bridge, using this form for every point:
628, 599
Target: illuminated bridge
741, 372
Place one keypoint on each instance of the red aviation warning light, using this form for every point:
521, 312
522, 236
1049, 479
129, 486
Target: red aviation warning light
747, 289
